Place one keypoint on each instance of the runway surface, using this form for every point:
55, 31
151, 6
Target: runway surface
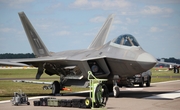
160, 96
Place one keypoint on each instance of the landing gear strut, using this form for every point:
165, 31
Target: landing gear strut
58, 86
116, 89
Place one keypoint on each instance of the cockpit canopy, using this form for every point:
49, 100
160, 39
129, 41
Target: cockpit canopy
126, 40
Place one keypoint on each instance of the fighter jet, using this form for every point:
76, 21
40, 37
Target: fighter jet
116, 59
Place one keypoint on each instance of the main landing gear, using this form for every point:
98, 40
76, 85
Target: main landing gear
55, 87
58, 86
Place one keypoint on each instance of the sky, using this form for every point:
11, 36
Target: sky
73, 24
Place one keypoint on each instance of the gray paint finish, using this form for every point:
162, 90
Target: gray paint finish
111, 58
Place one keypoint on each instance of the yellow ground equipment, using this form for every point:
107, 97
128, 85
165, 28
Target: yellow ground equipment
98, 92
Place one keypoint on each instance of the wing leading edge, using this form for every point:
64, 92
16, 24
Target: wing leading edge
100, 39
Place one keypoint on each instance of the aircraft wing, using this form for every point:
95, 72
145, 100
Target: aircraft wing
66, 61
28, 61
11, 63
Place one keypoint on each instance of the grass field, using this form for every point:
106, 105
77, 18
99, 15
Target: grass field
8, 87
22, 73
159, 75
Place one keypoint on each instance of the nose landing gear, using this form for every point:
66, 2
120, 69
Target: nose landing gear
116, 89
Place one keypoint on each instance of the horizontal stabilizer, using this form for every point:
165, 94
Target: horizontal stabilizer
37, 45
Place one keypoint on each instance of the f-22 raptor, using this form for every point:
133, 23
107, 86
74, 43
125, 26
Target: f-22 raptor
119, 58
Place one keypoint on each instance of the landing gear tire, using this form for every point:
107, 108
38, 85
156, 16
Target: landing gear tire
142, 83
101, 95
148, 83
116, 91
88, 102
28, 103
16, 104
55, 87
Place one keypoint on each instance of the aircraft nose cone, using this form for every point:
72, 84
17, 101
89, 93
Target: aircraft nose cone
146, 61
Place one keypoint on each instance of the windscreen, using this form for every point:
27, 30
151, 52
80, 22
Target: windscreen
126, 40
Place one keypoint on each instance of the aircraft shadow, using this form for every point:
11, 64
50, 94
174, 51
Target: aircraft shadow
126, 94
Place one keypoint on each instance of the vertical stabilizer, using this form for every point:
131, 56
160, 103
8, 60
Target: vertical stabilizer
37, 45
103, 33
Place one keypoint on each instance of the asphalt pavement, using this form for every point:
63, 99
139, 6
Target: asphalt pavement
160, 96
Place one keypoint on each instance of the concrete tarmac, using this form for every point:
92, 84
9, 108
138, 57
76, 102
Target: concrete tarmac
160, 96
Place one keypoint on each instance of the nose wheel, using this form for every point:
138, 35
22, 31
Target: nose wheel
116, 91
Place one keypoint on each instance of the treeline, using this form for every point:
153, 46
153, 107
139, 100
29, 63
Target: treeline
171, 60
15, 56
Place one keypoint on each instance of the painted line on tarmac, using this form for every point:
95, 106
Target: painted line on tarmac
166, 82
140, 89
38, 97
170, 96
6, 101
134, 89
80, 92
